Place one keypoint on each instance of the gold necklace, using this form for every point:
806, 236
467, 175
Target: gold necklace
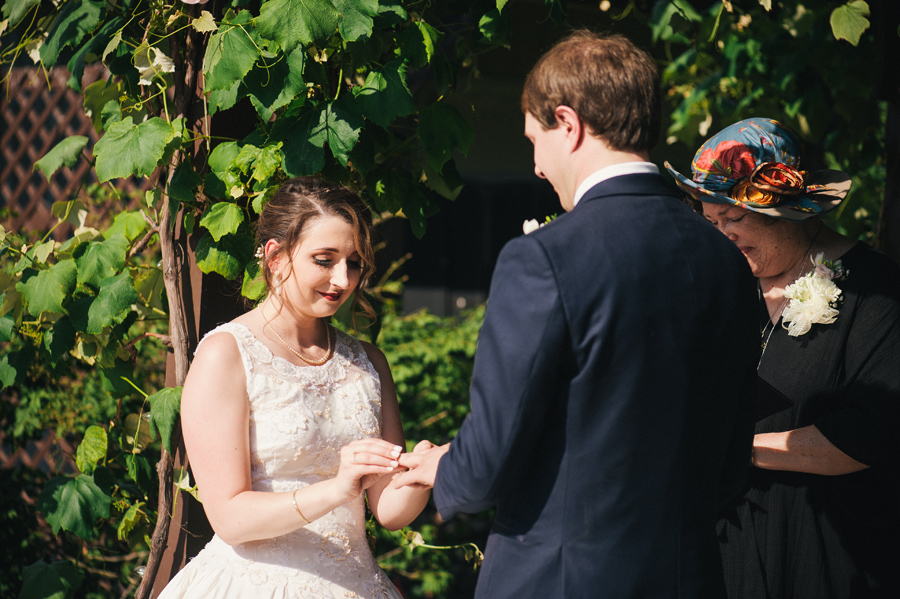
297, 353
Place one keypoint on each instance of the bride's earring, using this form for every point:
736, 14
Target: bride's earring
276, 282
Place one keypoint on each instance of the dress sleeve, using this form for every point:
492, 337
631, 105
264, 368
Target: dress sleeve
866, 424
515, 382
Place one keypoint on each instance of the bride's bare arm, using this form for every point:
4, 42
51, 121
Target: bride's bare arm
394, 508
215, 417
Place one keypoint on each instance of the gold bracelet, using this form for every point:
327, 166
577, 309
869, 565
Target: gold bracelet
297, 507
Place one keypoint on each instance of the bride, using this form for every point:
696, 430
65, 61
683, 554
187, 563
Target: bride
291, 425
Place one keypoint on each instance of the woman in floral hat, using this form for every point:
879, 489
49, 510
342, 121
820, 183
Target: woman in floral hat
820, 515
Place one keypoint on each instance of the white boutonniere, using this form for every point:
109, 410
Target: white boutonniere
814, 297
533, 225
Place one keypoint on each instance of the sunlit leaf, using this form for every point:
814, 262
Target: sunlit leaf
850, 21
294, 23
204, 22
73, 504
91, 450
113, 303
356, 18
97, 261
137, 434
65, 153
14, 10
230, 53
47, 290
165, 405
7, 373
222, 218
128, 149
73, 212
75, 20
182, 479
130, 519
225, 257
129, 225
417, 44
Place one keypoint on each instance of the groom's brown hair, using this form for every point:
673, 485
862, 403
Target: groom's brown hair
609, 82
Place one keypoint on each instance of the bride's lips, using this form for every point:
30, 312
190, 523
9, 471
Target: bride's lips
331, 297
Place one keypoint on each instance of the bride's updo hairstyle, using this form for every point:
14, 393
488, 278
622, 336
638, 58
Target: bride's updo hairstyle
300, 202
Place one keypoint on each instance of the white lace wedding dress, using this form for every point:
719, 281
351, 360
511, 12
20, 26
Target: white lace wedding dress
300, 417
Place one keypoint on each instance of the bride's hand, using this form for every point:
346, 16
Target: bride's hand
365, 461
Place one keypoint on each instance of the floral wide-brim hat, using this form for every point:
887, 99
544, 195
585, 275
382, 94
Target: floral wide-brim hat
755, 164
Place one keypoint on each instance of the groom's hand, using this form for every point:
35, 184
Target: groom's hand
422, 464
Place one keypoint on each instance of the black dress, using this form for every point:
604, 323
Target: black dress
796, 535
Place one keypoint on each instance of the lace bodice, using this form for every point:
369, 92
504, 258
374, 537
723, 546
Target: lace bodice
300, 417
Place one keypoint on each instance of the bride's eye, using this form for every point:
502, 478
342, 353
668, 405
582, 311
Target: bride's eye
322, 261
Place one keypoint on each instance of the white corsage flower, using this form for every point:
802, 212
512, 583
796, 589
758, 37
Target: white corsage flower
529, 226
813, 297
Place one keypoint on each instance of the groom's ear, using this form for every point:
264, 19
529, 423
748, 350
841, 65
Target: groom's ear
568, 119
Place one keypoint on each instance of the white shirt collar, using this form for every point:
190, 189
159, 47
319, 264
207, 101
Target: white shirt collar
615, 170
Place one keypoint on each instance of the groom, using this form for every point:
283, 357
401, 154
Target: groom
615, 372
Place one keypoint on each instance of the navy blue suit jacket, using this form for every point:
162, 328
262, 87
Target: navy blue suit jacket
612, 401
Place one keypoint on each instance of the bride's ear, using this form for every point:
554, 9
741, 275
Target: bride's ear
273, 255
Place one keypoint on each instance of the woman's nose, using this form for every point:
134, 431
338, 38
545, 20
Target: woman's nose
539, 172
339, 275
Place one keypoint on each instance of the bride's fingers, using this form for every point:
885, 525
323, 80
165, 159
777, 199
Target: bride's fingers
383, 455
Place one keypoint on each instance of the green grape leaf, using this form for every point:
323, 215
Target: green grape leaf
448, 183
111, 46
111, 113
140, 471
442, 130
501, 4
115, 377
205, 22
384, 96
342, 124
7, 373
130, 519
356, 18
150, 288
47, 290
230, 53
73, 504
97, 261
303, 145
73, 212
91, 450
43, 251
74, 21
14, 10
849, 21
253, 286
274, 86
129, 225
184, 183
113, 303
223, 155
224, 256
294, 23
96, 96
137, 435
182, 479
494, 26
222, 218
417, 44
59, 339
128, 149
223, 99
7, 325
58, 580
67, 152
165, 405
